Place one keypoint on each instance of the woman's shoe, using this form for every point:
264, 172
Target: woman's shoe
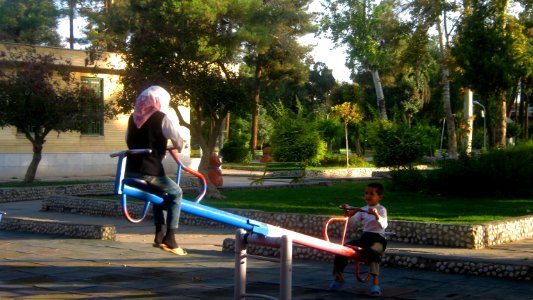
178, 251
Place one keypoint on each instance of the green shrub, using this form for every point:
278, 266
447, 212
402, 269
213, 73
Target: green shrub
295, 138
398, 145
338, 160
408, 180
236, 150
497, 173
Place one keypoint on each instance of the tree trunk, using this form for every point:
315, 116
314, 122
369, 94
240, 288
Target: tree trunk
382, 109
214, 134
450, 120
501, 121
346, 141
207, 146
71, 8
36, 159
255, 115
448, 113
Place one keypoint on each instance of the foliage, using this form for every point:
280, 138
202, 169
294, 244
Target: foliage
513, 130
321, 83
398, 145
491, 50
349, 113
272, 53
497, 173
374, 35
408, 180
190, 48
236, 150
330, 130
266, 126
295, 138
339, 160
40, 97
29, 22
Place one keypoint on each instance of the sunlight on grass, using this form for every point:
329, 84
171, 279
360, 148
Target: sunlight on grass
324, 200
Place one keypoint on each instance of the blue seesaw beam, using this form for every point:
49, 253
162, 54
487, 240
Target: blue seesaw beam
130, 187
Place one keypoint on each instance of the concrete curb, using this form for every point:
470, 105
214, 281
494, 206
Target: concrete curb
395, 258
74, 230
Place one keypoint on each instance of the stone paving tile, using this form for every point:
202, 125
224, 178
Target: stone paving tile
88, 269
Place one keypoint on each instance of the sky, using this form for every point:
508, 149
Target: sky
324, 50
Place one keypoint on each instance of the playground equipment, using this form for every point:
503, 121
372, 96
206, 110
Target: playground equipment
360, 274
214, 170
250, 232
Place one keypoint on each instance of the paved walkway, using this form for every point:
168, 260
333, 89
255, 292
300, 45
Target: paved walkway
34, 266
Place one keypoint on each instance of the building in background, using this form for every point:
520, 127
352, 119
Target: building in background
75, 154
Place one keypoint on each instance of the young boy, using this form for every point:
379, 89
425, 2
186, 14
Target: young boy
374, 219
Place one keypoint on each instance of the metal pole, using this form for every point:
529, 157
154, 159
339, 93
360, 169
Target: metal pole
484, 130
286, 268
240, 265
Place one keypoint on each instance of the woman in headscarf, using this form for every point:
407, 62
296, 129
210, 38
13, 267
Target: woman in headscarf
150, 127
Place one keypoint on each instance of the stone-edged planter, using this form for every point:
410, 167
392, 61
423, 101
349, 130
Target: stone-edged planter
447, 235
74, 230
402, 260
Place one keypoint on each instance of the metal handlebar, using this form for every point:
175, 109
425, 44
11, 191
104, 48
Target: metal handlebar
200, 176
128, 152
349, 207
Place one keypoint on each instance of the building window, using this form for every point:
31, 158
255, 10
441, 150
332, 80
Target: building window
93, 87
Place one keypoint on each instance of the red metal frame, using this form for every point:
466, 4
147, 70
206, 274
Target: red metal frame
358, 257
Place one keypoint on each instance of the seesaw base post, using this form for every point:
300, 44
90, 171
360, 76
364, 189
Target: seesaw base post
241, 260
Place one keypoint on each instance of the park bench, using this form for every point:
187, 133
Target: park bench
280, 170
342, 151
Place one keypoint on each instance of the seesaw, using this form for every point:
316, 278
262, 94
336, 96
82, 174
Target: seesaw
250, 231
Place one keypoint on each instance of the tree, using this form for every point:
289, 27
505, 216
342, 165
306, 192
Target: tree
427, 15
321, 83
189, 48
71, 13
371, 32
37, 97
491, 51
29, 22
108, 25
270, 38
75, 9
348, 113
415, 70
296, 138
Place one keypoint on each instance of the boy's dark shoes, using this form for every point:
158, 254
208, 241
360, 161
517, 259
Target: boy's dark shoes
375, 291
335, 285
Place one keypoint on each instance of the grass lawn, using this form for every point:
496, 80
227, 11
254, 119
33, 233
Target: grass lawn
324, 200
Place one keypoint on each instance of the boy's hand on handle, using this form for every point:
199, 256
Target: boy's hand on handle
374, 211
344, 206
349, 210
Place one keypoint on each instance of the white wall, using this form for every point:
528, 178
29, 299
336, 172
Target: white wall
67, 165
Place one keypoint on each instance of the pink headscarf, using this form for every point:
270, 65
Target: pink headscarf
151, 100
